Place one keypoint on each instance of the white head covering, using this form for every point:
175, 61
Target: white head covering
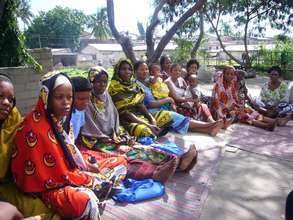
61, 80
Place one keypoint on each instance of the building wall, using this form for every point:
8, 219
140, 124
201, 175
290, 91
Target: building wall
44, 57
26, 84
26, 79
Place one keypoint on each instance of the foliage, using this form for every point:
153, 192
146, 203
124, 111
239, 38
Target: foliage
173, 11
248, 15
99, 24
59, 27
24, 11
154, 49
281, 55
182, 52
12, 48
83, 72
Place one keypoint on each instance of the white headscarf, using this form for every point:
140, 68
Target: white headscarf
61, 80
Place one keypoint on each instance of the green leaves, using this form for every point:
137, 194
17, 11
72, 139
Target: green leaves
12, 48
59, 27
99, 24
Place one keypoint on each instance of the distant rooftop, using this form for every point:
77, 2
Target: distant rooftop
117, 47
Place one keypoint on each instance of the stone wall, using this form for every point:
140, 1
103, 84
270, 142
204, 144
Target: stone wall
44, 57
26, 79
26, 84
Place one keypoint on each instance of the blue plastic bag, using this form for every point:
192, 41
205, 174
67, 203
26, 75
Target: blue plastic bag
169, 147
139, 190
146, 140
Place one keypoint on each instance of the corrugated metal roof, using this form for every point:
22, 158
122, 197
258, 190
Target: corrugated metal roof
249, 47
117, 47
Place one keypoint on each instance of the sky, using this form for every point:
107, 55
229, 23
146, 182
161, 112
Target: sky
127, 12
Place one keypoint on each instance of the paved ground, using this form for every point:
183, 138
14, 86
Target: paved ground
248, 186
227, 183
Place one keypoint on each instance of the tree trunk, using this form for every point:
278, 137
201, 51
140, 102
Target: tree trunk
150, 43
123, 40
246, 58
2, 6
221, 43
168, 36
201, 32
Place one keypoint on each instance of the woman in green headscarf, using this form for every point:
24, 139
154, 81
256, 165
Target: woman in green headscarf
128, 98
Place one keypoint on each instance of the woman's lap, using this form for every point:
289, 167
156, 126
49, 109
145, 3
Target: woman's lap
27, 205
72, 202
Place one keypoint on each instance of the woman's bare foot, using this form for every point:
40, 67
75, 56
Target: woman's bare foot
165, 171
283, 121
216, 128
187, 158
192, 163
227, 123
271, 126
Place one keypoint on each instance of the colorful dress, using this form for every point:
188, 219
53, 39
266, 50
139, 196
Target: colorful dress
46, 162
200, 112
226, 100
159, 89
102, 121
126, 97
180, 123
26, 204
278, 98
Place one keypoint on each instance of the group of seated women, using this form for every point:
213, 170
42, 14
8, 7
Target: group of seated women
84, 137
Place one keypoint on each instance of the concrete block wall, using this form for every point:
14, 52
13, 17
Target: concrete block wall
26, 79
44, 57
26, 85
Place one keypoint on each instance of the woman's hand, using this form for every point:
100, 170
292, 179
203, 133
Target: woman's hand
105, 140
9, 212
92, 164
174, 107
155, 129
170, 100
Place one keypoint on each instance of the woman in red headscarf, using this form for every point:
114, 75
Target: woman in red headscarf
46, 162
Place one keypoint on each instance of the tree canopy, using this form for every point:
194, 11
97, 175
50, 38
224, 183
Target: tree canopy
248, 15
99, 24
24, 11
12, 48
154, 49
59, 27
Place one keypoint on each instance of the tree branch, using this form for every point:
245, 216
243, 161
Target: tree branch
150, 29
220, 41
168, 36
246, 61
258, 14
201, 33
123, 40
218, 19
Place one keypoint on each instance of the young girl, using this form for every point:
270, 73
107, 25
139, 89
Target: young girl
182, 95
197, 109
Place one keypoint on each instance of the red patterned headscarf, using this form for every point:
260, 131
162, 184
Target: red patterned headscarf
42, 158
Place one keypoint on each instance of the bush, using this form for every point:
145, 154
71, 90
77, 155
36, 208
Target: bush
83, 72
281, 55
